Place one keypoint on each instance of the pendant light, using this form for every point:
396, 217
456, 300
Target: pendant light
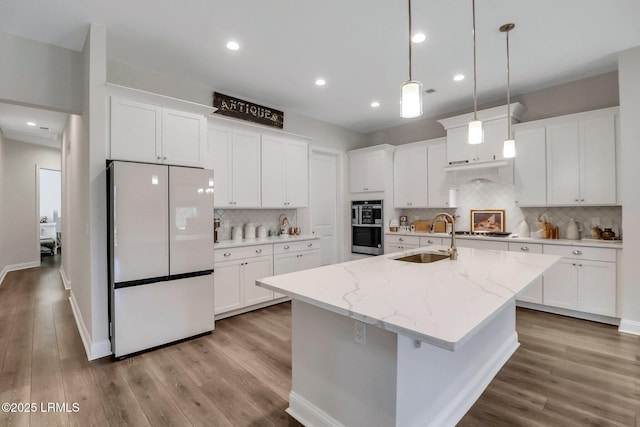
509, 148
411, 104
476, 133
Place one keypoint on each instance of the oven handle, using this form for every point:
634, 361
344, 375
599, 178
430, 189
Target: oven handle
367, 225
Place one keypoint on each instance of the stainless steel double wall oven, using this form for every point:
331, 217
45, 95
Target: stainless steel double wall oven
367, 227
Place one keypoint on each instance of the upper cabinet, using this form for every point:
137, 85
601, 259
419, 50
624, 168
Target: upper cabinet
581, 159
419, 178
494, 121
148, 133
530, 167
235, 158
285, 172
371, 169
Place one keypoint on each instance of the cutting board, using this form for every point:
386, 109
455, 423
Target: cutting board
424, 226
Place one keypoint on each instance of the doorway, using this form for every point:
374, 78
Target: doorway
325, 202
49, 211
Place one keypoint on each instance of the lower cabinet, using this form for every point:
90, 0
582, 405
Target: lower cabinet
534, 292
584, 280
295, 256
235, 274
398, 243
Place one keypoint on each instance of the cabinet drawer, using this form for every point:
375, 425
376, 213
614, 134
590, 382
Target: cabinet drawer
390, 248
304, 245
428, 241
398, 239
581, 252
230, 254
532, 248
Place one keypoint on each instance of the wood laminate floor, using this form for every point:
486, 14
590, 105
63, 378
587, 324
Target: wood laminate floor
567, 372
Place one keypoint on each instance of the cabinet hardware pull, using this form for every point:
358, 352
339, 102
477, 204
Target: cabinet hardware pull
286, 247
577, 252
164, 158
401, 239
524, 248
573, 263
579, 265
158, 157
259, 251
576, 200
309, 244
227, 254
430, 241
582, 200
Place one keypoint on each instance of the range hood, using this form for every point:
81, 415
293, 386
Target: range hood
490, 164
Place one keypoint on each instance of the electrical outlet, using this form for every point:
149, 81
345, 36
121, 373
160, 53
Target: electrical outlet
360, 332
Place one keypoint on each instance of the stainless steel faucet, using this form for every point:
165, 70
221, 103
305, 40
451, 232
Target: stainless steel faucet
453, 251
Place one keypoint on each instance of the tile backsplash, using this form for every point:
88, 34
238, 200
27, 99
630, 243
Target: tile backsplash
483, 194
270, 218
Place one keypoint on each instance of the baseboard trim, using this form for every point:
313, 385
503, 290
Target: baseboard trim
65, 280
14, 267
93, 350
570, 313
629, 327
309, 414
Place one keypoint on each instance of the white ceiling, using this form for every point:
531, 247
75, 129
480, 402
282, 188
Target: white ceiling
358, 46
47, 131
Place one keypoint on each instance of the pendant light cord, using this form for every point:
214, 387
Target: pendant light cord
508, 92
475, 96
410, 47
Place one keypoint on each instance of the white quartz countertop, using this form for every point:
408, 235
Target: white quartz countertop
225, 244
443, 303
613, 244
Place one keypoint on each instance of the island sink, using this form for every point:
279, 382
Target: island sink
423, 258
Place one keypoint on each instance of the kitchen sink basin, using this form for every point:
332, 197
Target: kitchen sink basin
423, 258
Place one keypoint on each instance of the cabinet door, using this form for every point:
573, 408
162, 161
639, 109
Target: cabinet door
495, 132
598, 161
285, 263
358, 172
563, 164
227, 289
220, 142
530, 167
309, 259
560, 284
437, 176
245, 170
390, 248
256, 268
402, 178
375, 171
534, 292
273, 172
458, 149
482, 244
135, 131
597, 287
297, 174
183, 138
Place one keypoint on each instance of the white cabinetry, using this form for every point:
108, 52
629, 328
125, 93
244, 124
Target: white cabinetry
495, 131
295, 256
534, 292
428, 241
236, 271
584, 280
410, 176
369, 168
285, 173
235, 158
398, 243
419, 177
581, 159
530, 172
482, 244
148, 133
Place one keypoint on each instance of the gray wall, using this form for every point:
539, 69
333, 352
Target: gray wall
40, 74
3, 262
583, 95
19, 204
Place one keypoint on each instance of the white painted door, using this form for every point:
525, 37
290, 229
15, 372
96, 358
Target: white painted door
358, 172
324, 197
227, 293
256, 268
458, 150
183, 138
560, 284
597, 287
598, 160
135, 131
375, 171
274, 174
220, 158
245, 169
309, 259
534, 291
495, 132
297, 174
563, 164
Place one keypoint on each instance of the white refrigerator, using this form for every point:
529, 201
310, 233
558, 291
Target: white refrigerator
160, 255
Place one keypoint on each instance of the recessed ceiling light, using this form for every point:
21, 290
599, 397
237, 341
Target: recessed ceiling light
31, 124
320, 82
375, 104
418, 37
233, 45
458, 77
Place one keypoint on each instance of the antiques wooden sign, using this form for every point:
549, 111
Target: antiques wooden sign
245, 110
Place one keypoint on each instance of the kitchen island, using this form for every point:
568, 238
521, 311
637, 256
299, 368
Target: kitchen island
386, 342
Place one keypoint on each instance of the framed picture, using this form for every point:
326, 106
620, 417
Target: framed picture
487, 220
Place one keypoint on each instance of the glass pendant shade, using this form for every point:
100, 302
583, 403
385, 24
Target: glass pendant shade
411, 105
509, 148
476, 133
